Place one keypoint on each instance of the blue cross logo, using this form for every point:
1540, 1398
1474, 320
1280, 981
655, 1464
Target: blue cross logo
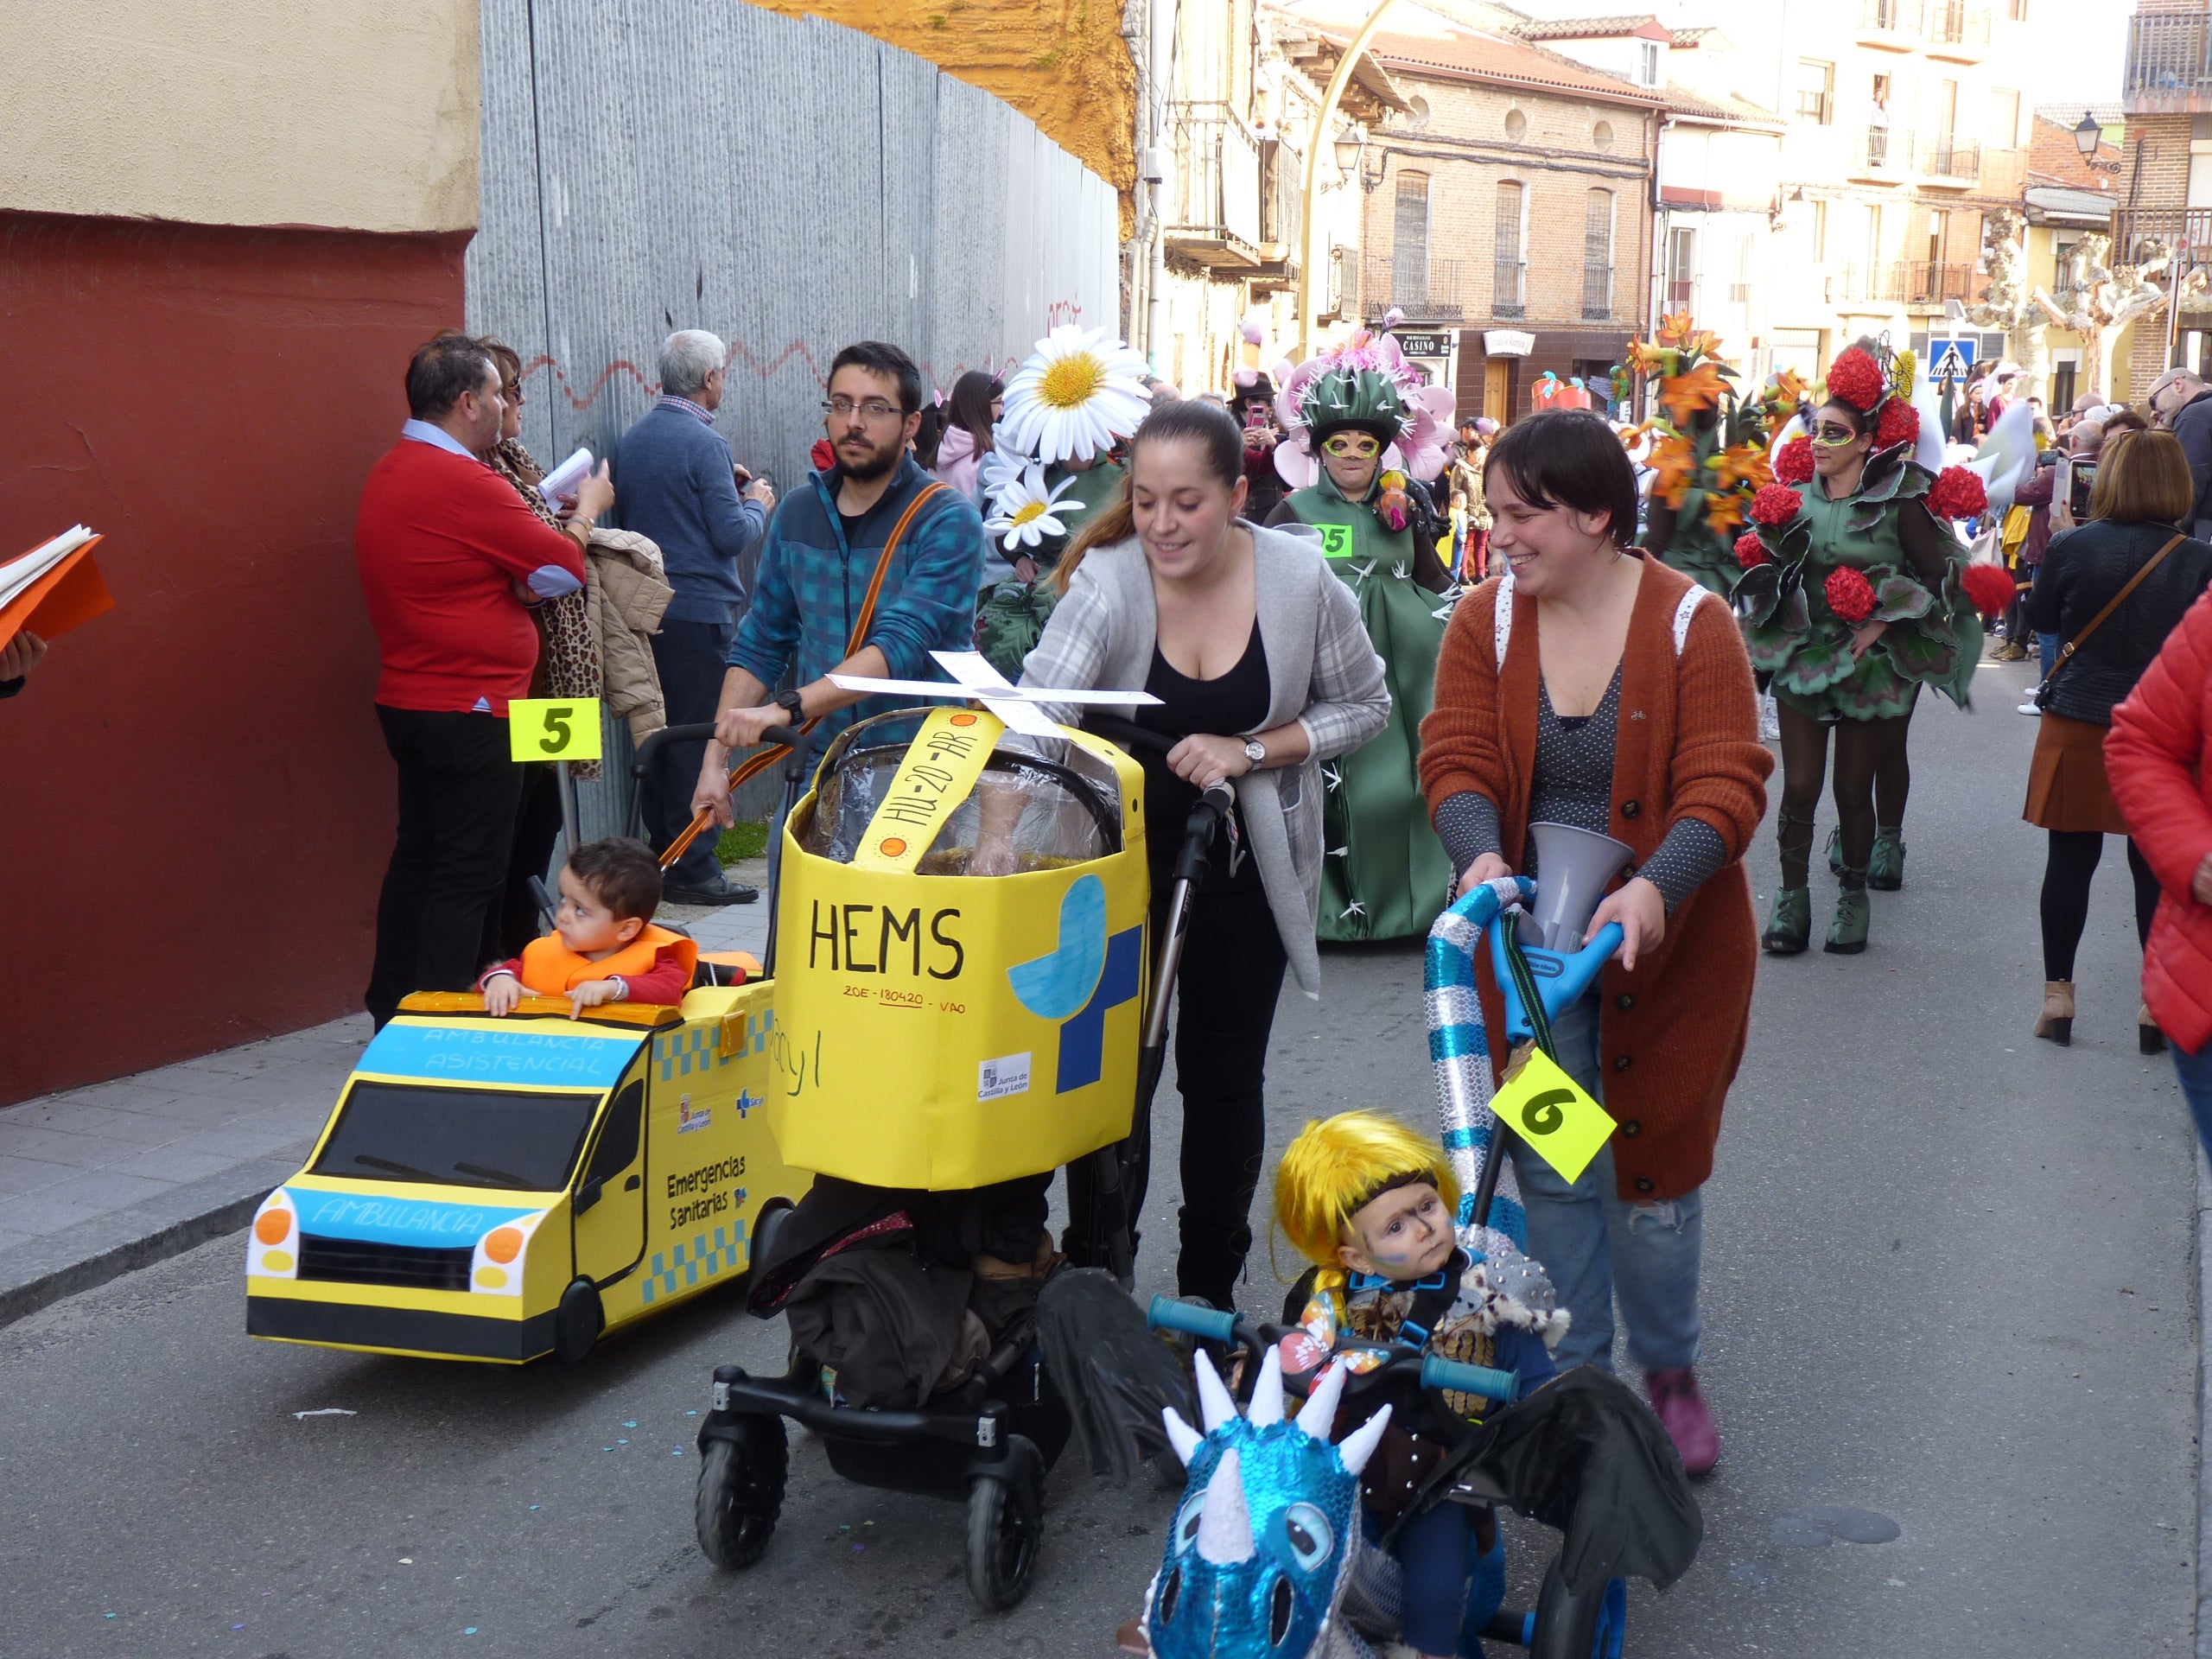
1086, 974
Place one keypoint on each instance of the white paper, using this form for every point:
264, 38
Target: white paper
18, 574
1007, 1075
563, 480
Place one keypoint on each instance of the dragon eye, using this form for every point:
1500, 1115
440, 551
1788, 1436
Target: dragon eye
1307, 1530
1187, 1520
1171, 1596
1280, 1607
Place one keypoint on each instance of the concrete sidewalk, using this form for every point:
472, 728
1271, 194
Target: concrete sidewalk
96, 1181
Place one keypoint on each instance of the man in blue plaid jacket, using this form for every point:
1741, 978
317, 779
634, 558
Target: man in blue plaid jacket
822, 550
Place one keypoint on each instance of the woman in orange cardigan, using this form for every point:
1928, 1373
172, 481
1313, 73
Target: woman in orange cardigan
1588, 685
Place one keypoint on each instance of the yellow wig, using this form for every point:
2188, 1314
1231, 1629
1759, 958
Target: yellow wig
1338, 1165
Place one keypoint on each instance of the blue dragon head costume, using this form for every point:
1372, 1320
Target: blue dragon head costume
1266, 1559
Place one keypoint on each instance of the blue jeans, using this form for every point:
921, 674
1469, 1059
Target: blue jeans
1598, 1247
2046, 644
2196, 1089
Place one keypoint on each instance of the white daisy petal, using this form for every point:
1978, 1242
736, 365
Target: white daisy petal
1077, 393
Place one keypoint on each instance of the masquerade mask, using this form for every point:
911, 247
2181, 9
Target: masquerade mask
1834, 434
1352, 446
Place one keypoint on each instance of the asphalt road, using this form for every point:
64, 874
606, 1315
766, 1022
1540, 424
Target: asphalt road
1949, 1282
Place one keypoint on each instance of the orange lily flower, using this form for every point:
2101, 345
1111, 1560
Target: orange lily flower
1686, 393
1675, 463
1724, 510
1675, 327
1745, 464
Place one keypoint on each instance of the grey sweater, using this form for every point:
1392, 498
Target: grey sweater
1323, 673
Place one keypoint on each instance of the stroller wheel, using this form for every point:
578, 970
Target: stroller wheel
1003, 1534
1569, 1626
740, 1493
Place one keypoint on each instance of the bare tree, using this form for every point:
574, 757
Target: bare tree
2008, 305
2096, 301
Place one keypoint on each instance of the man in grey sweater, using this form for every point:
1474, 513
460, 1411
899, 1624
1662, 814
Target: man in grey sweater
681, 487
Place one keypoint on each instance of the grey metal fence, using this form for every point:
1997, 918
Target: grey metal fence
789, 184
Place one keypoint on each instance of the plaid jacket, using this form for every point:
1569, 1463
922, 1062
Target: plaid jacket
811, 586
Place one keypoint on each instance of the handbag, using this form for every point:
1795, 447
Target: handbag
2066, 652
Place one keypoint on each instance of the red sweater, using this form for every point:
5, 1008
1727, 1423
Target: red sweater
2158, 756
441, 541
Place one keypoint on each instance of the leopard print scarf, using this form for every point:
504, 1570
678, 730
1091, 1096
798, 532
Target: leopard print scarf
567, 657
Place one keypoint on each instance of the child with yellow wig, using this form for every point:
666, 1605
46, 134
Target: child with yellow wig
1370, 1204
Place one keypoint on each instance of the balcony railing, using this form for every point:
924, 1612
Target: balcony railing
1597, 293
1954, 159
1919, 281
1213, 199
1509, 287
2137, 233
1900, 17
1884, 150
2169, 66
1956, 22
1428, 290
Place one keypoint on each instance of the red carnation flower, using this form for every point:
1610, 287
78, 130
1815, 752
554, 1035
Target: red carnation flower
1849, 596
1900, 424
1957, 493
1989, 588
1794, 464
1751, 552
1856, 380
1776, 504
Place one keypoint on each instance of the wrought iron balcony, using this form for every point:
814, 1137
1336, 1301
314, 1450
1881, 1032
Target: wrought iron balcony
1918, 282
1955, 28
1950, 160
1427, 290
1212, 210
2169, 65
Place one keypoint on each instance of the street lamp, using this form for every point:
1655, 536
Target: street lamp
1348, 149
2089, 135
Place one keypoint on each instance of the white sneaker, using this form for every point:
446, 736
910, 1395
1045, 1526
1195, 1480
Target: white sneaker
1769, 721
2027, 709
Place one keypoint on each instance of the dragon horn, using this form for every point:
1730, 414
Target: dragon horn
1319, 1414
1214, 1402
1226, 1524
1266, 1394
1185, 1439
1359, 1447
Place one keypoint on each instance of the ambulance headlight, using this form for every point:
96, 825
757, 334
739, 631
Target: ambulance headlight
495, 1268
272, 1246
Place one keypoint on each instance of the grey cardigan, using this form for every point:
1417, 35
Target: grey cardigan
1322, 672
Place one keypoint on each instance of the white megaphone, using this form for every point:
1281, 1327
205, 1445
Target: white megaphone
1573, 869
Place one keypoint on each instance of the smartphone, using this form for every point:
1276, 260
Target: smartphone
1255, 414
2078, 494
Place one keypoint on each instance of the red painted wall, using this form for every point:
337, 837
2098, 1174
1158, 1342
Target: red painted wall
195, 806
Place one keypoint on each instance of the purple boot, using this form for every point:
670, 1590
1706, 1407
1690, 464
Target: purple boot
1687, 1420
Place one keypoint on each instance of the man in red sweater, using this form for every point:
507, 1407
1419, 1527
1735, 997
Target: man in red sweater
452, 562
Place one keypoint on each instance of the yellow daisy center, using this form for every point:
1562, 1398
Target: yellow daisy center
1027, 511
1070, 382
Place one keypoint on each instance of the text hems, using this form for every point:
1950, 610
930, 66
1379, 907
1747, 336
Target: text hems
850, 931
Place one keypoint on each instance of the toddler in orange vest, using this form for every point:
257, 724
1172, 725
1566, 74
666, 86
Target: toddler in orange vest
604, 947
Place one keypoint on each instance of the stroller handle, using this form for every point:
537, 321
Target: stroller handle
1209, 1324
698, 732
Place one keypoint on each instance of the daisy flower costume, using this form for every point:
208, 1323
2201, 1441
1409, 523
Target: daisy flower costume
1076, 397
1384, 874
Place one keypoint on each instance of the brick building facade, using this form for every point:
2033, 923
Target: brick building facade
1507, 210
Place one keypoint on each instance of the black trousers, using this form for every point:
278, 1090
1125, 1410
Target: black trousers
691, 657
537, 826
1225, 992
2067, 872
438, 915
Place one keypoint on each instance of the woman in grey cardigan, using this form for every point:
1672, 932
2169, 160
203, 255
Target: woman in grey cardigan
1264, 671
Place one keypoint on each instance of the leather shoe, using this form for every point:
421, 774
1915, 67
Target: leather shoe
725, 892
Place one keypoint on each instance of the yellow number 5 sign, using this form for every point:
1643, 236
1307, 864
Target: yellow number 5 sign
1548, 1109
553, 729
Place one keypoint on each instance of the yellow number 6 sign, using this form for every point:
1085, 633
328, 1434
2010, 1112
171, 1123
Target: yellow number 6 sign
553, 729
1551, 1112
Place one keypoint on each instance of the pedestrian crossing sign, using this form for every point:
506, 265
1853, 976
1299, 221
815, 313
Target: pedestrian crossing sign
1947, 361
1549, 1110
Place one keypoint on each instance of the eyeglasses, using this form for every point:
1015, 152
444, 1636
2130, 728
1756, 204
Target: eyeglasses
874, 409
512, 389
1351, 446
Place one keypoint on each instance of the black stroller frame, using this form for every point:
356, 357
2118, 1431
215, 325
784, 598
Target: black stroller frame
991, 1440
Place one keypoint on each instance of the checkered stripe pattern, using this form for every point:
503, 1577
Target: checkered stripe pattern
699, 1047
690, 1258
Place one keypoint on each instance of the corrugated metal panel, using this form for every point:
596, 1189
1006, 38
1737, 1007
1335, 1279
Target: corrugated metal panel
789, 184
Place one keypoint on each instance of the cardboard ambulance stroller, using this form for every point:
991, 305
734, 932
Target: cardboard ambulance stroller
1267, 1558
959, 967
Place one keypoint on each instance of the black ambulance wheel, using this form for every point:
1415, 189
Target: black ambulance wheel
740, 1493
1001, 1543
577, 1322
1569, 1626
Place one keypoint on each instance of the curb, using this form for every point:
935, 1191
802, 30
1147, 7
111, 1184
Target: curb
2203, 1643
94, 1252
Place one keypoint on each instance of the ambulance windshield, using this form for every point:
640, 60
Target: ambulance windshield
458, 1137
1039, 805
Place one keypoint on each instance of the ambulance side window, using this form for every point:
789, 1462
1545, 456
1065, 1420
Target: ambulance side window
617, 1136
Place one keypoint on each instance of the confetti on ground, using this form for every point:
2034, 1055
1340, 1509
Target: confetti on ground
533, 1506
629, 1425
678, 1452
407, 1560
327, 1411
469, 1630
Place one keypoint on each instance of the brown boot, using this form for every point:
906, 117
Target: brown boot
2149, 1039
2056, 1022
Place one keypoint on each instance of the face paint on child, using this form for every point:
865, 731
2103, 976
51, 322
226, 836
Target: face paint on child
1403, 1233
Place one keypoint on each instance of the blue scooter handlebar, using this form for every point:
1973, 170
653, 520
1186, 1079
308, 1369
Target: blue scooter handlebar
1206, 1324
1209, 1324
1488, 1382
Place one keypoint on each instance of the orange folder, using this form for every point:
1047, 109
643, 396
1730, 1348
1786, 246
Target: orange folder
65, 597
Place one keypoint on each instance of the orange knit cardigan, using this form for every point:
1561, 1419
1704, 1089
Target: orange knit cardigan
1671, 1034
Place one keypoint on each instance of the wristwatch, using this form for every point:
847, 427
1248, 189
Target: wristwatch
791, 702
1255, 750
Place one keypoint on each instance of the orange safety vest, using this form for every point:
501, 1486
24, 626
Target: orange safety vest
549, 968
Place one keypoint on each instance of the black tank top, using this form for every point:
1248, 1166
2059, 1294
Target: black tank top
1234, 703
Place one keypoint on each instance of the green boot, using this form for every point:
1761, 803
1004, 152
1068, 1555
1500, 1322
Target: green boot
1836, 850
1789, 924
1847, 928
1886, 864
